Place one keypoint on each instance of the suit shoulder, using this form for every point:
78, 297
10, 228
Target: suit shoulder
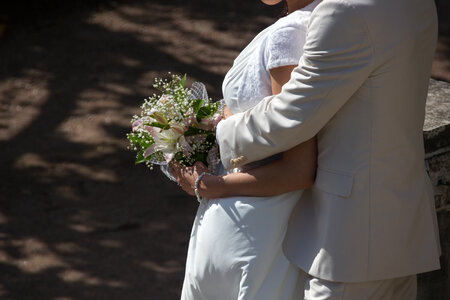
338, 22
340, 8
354, 4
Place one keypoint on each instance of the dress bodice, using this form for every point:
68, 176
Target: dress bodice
281, 44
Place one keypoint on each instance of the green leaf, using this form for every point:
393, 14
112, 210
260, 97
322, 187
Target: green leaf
134, 139
131, 137
197, 104
143, 142
140, 157
194, 131
203, 112
200, 156
180, 158
183, 81
211, 138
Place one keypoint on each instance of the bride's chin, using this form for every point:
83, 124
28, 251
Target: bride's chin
271, 2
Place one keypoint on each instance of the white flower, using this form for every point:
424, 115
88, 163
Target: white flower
160, 118
178, 127
165, 99
166, 141
137, 124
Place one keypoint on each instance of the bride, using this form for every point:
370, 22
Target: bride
235, 249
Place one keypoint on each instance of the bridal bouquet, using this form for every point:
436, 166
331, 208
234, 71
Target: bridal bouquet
178, 125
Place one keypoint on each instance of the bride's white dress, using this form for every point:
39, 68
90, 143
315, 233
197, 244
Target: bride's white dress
235, 249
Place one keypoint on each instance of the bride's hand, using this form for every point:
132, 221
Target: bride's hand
186, 176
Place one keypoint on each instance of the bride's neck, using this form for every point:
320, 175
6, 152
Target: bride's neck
294, 5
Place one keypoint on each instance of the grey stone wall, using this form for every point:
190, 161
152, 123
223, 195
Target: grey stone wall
436, 285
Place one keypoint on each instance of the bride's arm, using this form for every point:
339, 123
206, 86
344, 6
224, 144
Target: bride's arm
295, 170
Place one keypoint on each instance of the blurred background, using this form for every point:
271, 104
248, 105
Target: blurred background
77, 219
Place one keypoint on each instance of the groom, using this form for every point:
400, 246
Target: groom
368, 225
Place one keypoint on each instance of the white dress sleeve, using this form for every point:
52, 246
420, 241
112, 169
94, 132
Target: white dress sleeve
284, 46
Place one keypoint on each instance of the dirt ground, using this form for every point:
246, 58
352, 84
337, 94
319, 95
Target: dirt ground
77, 219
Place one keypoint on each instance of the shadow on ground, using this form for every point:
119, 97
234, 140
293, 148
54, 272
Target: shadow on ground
77, 219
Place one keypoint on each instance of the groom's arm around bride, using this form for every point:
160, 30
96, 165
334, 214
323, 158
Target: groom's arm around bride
361, 87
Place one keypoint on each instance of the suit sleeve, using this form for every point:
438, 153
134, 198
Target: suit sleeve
337, 59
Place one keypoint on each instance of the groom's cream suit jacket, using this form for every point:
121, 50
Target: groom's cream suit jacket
361, 87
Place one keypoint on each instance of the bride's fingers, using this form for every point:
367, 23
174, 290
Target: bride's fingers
184, 176
178, 170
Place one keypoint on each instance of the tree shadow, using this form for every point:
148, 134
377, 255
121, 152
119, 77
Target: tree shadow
77, 219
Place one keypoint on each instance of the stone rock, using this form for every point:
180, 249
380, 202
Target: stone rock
437, 139
435, 285
438, 101
437, 118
